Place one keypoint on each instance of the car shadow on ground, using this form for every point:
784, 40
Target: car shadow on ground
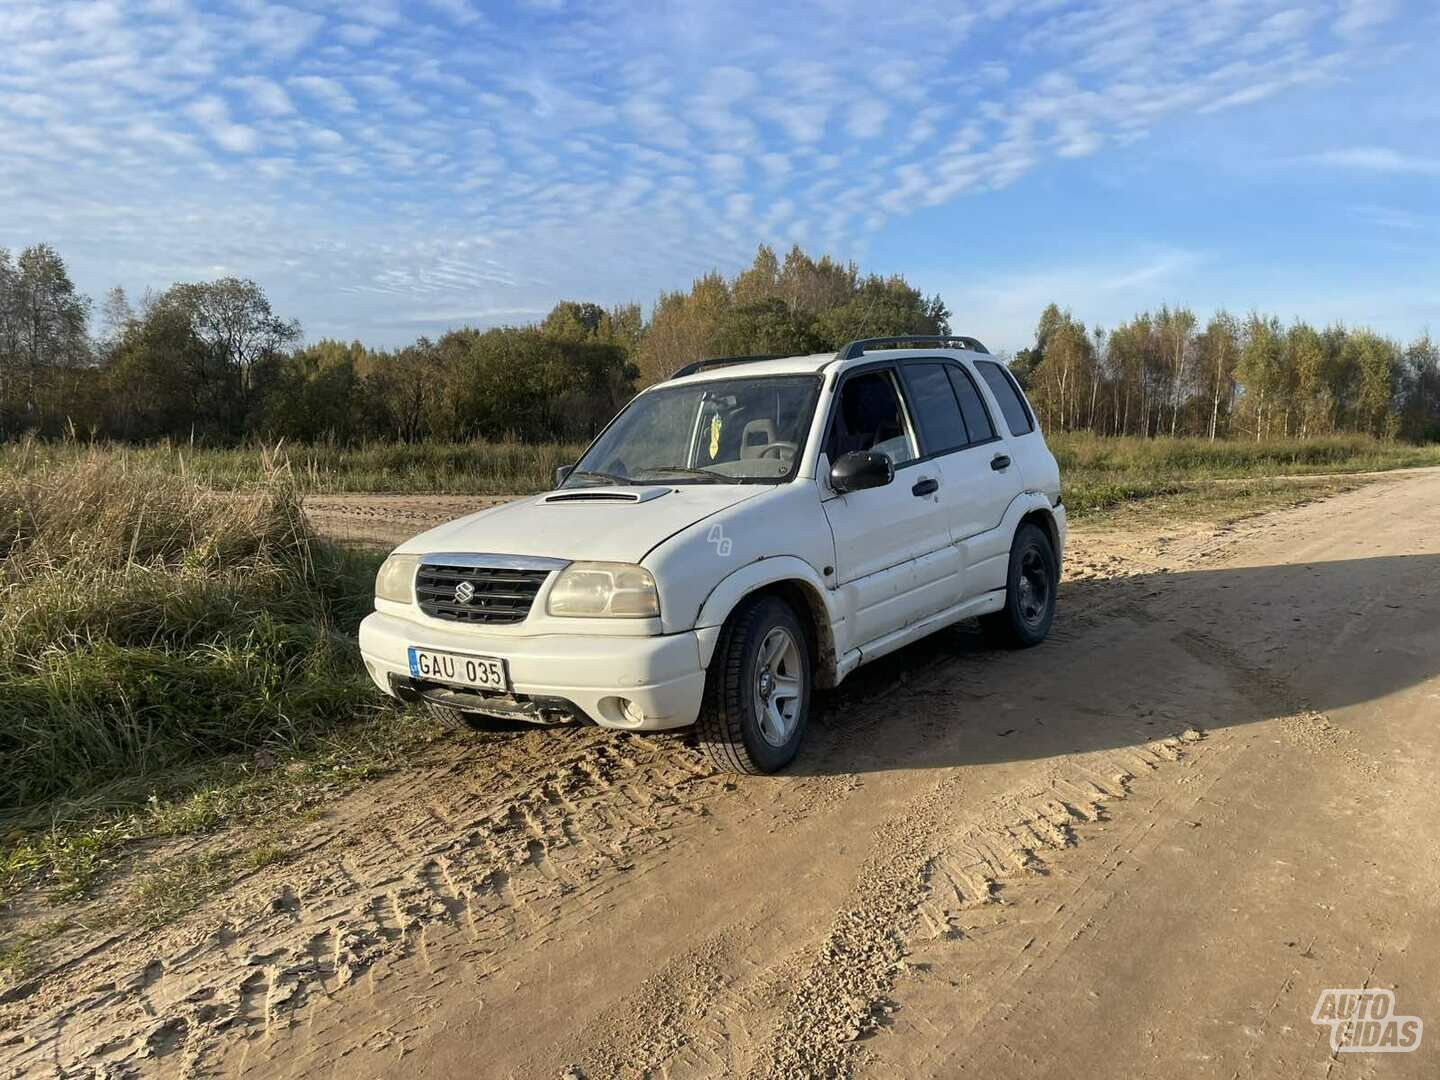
1134, 659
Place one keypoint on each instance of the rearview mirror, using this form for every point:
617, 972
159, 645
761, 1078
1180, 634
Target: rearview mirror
562, 472
861, 469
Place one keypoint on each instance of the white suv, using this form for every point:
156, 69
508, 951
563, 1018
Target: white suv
749, 530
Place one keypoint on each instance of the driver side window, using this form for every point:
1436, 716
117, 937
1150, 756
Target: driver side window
868, 416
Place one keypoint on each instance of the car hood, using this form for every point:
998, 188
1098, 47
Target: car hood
604, 524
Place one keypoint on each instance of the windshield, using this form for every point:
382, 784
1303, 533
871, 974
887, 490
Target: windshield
721, 431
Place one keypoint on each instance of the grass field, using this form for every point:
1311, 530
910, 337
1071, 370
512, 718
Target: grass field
165, 651
477, 468
1099, 473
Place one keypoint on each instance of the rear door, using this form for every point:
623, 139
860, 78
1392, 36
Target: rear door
981, 478
959, 432
892, 543
1027, 446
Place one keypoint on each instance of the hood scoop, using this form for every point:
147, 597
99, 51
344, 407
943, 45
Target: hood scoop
605, 495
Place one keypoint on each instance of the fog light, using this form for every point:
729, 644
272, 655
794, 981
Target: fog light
632, 712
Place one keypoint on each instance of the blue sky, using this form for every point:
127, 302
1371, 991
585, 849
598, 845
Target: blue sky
389, 169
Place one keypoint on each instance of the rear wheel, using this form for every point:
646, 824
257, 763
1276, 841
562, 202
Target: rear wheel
1029, 592
758, 689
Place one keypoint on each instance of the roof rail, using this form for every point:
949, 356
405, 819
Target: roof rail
905, 341
723, 361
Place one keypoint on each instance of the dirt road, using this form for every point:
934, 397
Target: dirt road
1142, 849
388, 519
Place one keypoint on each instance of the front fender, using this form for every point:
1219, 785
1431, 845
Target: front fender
784, 569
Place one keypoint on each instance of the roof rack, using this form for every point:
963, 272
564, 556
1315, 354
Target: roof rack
723, 361
905, 341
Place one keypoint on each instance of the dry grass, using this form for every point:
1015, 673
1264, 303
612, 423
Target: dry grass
1103, 474
153, 636
467, 468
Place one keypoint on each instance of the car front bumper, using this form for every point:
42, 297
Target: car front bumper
660, 677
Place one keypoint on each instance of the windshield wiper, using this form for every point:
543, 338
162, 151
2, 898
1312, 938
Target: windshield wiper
603, 477
682, 470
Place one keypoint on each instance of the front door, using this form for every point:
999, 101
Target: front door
893, 553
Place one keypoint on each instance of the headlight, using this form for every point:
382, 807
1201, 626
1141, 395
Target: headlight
614, 590
396, 579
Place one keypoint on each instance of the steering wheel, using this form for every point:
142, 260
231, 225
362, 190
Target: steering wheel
780, 451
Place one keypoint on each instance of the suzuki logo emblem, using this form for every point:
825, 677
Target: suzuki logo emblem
464, 592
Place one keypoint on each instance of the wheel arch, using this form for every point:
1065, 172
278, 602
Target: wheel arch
1045, 519
795, 582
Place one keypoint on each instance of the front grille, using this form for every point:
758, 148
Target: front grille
501, 595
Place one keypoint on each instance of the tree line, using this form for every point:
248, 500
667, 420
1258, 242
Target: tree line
1162, 373
213, 361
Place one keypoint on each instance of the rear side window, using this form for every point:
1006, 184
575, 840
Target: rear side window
972, 406
1017, 415
933, 404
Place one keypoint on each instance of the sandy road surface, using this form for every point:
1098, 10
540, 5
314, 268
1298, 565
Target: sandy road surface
1142, 849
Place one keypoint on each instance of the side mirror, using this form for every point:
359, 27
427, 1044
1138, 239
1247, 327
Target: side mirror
861, 469
562, 472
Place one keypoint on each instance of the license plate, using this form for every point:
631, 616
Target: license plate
487, 672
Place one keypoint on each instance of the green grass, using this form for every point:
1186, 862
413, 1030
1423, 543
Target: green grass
169, 891
24, 952
171, 659
1101, 474
73, 843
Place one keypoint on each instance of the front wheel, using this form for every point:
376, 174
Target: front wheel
1029, 592
758, 689
469, 722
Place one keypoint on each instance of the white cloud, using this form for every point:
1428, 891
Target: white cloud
738, 207
459, 12
727, 169
867, 119
801, 123
1390, 217
265, 95
667, 140
100, 15
329, 92
1379, 159
276, 28
1002, 308
775, 165
358, 34
211, 114
654, 122
1359, 17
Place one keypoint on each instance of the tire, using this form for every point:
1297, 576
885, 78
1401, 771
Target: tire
451, 717
1030, 589
745, 726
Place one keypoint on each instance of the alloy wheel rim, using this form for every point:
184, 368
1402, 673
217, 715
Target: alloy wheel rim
1034, 587
777, 686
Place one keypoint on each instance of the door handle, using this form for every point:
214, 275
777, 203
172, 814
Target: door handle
1000, 461
926, 486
